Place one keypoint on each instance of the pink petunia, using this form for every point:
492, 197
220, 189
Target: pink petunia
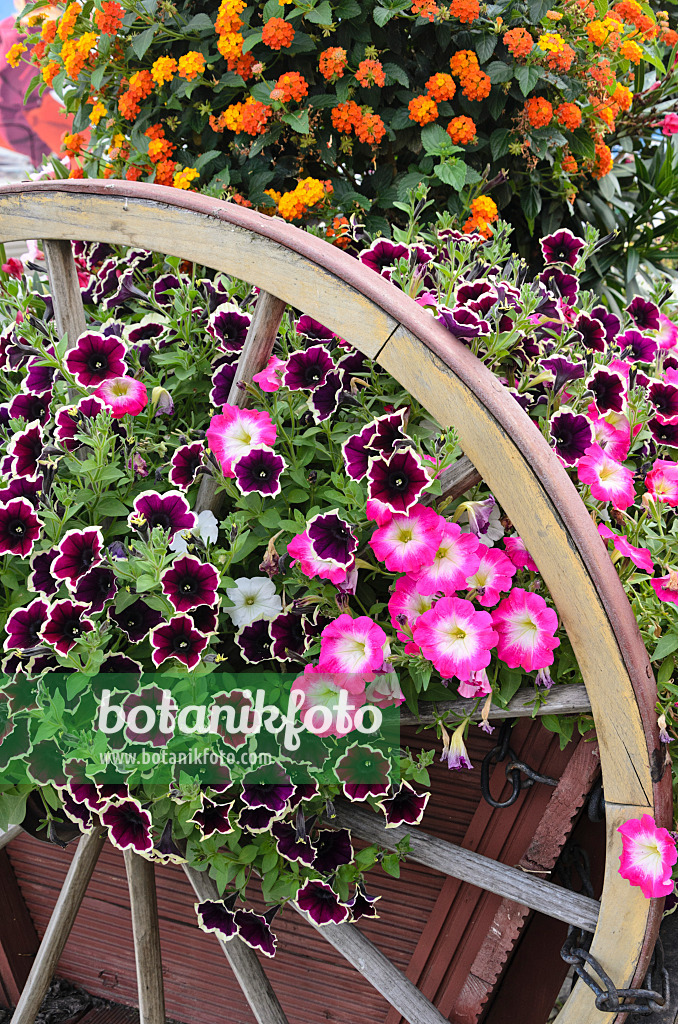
455, 559
301, 549
639, 556
608, 479
269, 378
667, 335
324, 689
662, 481
666, 588
519, 555
492, 577
351, 645
613, 437
525, 626
405, 543
478, 685
455, 637
124, 396
648, 855
407, 602
235, 432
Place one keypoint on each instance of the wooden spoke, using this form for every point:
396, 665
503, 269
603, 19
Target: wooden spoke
65, 288
559, 700
146, 931
458, 478
255, 355
9, 835
248, 972
392, 984
59, 927
473, 868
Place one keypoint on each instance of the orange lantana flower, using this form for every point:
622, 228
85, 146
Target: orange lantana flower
277, 33
441, 87
423, 110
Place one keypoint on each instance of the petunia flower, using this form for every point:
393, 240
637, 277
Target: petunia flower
41, 580
645, 314
28, 487
124, 396
321, 904
25, 449
288, 634
608, 480
71, 419
363, 772
205, 619
217, 917
189, 583
254, 642
663, 432
129, 825
185, 464
255, 931
65, 624
405, 606
259, 472
269, 378
560, 284
664, 400
96, 358
648, 855
362, 905
290, 846
352, 646
454, 748
561, 247
493, 575
563, 371
324, 401
640, 346
333, 849
398, 481
222, 381
137, 620
300, 549
212, 818
235, 432
384, 690
253, 598
19, 527
608, 388
178, 639
332, 539
256, 820
229, 326
406, 543
78, 551
406, 807
462, 323
170, 511
662, 481
454, 561
24, 624
666, 587
206, 530
29, 407
667, 336
307, 369
591, 332
383, 254
310, 329
455, 637
571, 434
478, 683
525, 626
323, 689
613, 438
518, 554
96, 588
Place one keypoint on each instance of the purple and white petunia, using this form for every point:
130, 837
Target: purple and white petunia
561, 247
24, 624
170, 511
65, 624
321, 904
398, 481
95, 588
406, 807
189, 583
78, 551
185, 464
307, 369
137, 620
255, 931
216, 917
259, 472
129, 825
41, 579
229, 326
178, 639
19, 527
96, 358
332, 539
25, 449
571, 434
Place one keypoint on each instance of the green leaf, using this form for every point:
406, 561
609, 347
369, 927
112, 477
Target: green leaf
381, 15
248, 854
391, 864
145, 583
142, 42
98, 75
530, 200
199, 23
538, 9
499, 71
251, 40
452, 172
394, 73
111, 506
527, 78
205, 158
485, 46
499, 142
320, 15
298, 120
666, 645
435, 139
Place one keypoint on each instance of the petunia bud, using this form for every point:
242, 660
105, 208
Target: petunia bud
161, 402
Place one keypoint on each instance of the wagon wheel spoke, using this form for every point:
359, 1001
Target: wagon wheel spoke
146, 931
561, 699
255, 354
69, 314
9, 835
59, 927
248, 972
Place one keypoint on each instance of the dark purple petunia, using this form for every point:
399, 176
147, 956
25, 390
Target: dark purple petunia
313, 331
561, 284
331, 538
353, 363
163, 287
107, 278
664, 399
382, 254
204, 619
124, 291
185, 464
151, 328
259, 472
271, 795
178, 639
254, 642
405, 808
645, 314
303, 791
145, 728
388, 430
255, 931
324, 401
229, 325
333, 848
290, 846
96, 358
189, 583
572, 434
307, 369
137, 620
70, 421
610, 322
288, 634
28, 487
222, 379
479, 296
65, 624
561, 247
216, 291
127, 670
25, 449
563, 371
592, 332
362, 905
24, 624
664, 433
78, 552
170, 511
129, 826
212, 818
41, 580
608, 388
30, 407
96, 588
19, 527
398, 481
462, 323
642, 348
166, 850
363, 772
216, 917
321, 903
257, 819
75, 812
356, 451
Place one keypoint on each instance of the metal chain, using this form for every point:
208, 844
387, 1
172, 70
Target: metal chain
646, 1000
514, 768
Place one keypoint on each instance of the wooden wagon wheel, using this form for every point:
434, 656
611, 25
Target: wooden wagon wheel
291, 266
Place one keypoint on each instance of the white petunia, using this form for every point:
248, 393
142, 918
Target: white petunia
253, 599
207, 529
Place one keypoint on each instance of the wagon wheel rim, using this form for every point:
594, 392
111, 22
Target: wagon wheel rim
296, 268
